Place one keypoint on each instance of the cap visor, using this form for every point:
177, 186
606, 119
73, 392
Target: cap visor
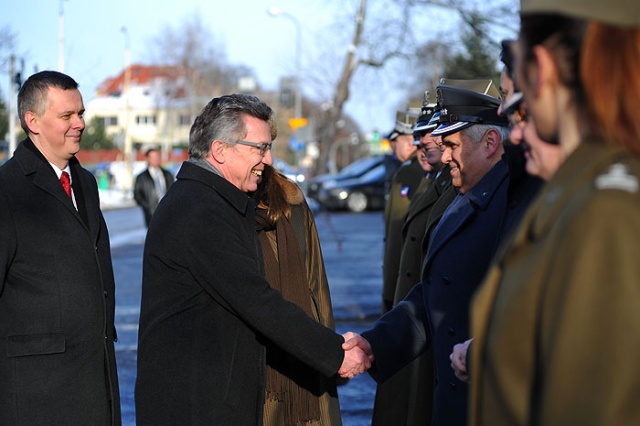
448, 128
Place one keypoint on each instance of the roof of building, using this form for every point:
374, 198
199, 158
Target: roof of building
140, 75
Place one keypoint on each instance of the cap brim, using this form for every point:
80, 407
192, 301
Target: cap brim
448, 128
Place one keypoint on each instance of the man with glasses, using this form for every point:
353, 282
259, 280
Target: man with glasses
207, 309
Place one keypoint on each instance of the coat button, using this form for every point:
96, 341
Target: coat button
408, 274
446, 280
105, 293
451, 331
412, 238
453, 385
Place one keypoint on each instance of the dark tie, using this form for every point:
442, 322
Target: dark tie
66, 183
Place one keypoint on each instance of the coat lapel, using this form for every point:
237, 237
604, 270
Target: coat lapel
33, 163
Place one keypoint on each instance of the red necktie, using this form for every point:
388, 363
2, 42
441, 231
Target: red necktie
66, 183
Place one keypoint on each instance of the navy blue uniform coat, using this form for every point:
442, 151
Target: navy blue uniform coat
57, 361
436, 312
207, 309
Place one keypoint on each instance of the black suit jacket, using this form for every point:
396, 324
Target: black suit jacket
144, 192
57, 361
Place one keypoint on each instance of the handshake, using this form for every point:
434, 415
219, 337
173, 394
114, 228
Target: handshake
358, 355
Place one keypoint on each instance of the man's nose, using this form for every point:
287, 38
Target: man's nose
268, 158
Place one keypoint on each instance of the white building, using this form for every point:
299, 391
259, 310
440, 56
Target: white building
156, 109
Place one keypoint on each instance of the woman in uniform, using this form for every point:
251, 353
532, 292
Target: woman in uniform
557, 321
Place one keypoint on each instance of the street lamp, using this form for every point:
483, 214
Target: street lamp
61, 37
127, 145
276, 11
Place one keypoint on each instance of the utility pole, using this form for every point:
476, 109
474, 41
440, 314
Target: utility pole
11, 116
61, 37
127, 148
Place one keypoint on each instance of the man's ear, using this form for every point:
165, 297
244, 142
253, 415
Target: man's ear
492, 141
218, 151
32, 122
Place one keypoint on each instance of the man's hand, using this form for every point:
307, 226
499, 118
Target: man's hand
358, 356
459, 360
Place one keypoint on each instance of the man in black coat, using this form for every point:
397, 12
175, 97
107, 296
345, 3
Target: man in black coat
207, 309
57, 360
151, 185
435, 312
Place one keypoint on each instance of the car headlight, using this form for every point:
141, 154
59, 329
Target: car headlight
339, 193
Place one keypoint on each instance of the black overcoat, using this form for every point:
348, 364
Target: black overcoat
57, 361
206, 309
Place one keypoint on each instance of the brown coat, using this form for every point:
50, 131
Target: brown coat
557, 321
307, 234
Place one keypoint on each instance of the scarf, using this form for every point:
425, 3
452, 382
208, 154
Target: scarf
286, 272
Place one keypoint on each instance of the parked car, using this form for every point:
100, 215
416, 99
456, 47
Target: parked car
356, 194
353, 170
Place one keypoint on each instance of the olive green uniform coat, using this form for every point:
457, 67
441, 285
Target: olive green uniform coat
557, 321
403, 189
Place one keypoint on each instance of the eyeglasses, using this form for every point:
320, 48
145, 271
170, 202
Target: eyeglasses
518, 116
262, 146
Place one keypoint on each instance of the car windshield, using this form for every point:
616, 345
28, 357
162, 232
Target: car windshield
375, 174
359, 167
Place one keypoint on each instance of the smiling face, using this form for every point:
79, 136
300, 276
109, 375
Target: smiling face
543, 159
57, 131
467, 159
429, 153
243, 165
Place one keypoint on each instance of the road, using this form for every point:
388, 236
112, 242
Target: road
352, 247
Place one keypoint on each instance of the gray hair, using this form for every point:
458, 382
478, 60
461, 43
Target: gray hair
477, 131
33, 93
221, 119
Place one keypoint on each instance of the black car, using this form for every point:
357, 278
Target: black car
357, 194
353, 170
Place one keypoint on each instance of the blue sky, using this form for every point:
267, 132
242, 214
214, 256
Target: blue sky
95, 44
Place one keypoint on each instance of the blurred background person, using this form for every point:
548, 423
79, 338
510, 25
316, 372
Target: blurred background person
151, 185
556, 320
296, 394
403, 187
406, 398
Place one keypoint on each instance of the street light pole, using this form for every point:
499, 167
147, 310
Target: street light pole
276, 11
127, 145
61, 37
12, 120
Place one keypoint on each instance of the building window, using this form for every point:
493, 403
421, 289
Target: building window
184, 120
110, 121
145, 120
